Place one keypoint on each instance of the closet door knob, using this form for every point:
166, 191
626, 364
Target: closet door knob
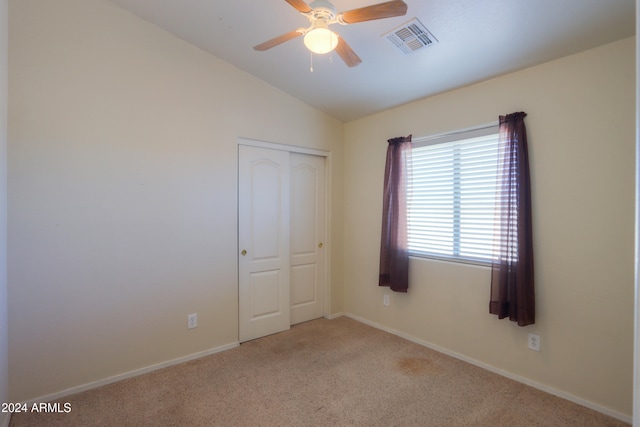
244, 252
320, 245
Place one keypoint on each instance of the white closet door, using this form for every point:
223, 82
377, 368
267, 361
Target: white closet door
307, 237
264, 239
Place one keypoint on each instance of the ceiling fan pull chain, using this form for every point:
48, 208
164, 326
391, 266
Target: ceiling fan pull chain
311, 61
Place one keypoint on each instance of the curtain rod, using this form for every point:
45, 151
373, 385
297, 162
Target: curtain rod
455, 132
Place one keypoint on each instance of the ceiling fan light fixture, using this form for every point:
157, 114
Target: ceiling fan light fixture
321, 13
321, 40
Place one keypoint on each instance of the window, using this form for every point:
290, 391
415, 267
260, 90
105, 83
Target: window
452, 197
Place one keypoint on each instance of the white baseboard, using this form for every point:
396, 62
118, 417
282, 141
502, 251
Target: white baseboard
334, 316
564, 395
130, 374
5, 419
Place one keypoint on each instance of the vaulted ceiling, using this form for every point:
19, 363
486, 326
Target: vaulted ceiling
472, 41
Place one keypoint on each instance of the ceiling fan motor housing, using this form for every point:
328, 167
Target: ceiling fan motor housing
322, 10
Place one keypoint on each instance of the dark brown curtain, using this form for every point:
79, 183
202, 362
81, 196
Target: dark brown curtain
512, 293
394, 248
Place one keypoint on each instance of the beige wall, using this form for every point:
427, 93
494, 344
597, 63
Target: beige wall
636, 382
581, 124
4, 351
122, 192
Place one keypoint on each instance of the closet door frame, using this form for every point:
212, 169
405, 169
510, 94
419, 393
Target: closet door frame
327, 207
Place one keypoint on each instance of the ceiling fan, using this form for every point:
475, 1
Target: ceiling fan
321, 13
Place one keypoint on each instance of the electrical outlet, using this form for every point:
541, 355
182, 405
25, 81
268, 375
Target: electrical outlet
385, 300
534, 342
192, 321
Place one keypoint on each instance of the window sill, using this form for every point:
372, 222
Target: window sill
476, 263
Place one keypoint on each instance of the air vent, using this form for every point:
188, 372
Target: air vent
411, 36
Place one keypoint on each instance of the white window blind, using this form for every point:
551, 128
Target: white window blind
452, 195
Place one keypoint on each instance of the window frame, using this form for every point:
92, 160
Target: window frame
458, 135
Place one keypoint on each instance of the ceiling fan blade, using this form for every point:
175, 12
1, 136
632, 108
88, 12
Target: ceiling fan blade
301, 6
376, 11
277, 40
346, 53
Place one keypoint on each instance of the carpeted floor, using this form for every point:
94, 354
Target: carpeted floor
320, 373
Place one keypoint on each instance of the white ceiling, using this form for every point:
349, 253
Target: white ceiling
477, 40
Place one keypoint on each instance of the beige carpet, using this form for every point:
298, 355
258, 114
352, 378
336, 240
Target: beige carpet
320, 373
